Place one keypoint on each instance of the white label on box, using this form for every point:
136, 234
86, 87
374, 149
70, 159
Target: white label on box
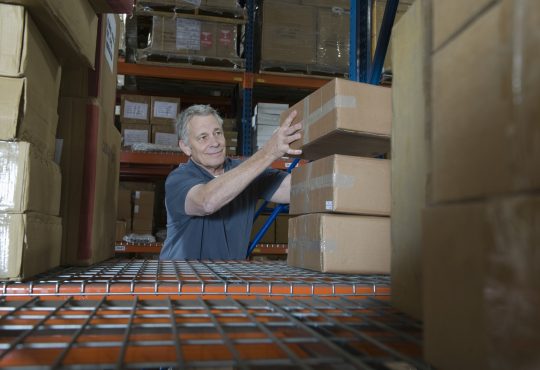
135, 136
136, 208
164, 138
188, 34
137, 194
110, 38
165, 109
329, 205
135, 110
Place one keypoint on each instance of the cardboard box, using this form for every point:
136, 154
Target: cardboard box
90, 181
164, 135
124, 206
135, 133
231, 138
164, 110
143, 212
70, 27
270, 236
485, 123
333, 39
28, 104
450, 17
29, 181
340, 243
229, 124
342, 184
343, 4
121, 230
226, 40
183, 36
287, 27
344, 117
481, 284
135, 109
112, 6
282, 229
29, 244
411, 95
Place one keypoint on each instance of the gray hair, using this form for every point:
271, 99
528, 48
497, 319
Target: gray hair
186, 116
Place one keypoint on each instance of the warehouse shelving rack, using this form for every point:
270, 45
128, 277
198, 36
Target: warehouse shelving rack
155, 248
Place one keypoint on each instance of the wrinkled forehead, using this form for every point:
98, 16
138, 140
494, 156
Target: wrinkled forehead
202, 124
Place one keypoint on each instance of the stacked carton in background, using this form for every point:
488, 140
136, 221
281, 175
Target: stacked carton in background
267, 119
343, 201
477, 131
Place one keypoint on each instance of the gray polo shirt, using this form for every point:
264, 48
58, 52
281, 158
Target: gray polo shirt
223, 235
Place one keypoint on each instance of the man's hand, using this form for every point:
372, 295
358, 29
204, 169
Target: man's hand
278, 145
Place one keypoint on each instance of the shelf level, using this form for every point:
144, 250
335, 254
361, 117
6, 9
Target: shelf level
261, 249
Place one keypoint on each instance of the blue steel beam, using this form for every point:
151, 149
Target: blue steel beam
360, 40
247, 92
382, 41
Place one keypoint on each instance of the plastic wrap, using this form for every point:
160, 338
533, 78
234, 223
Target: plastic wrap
139, 238
148, 147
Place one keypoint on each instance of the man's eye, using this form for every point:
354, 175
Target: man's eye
219, 133
202, 138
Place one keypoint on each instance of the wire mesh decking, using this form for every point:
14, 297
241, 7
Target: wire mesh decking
111, 333
189, 279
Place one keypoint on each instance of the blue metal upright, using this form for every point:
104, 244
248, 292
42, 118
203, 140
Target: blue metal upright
382, 41
360, 40
247, 91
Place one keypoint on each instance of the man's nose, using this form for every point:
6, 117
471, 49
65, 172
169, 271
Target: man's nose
214, 141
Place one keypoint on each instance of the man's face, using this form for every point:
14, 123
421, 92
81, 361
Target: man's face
206, 143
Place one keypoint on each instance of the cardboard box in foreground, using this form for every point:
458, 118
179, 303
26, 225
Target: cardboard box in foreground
340, 243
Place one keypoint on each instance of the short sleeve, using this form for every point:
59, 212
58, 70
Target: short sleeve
177, 186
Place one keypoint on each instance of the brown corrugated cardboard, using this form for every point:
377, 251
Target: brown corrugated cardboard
121, 230
231, 138
164, 110
333, 39
340, 243
91, 188
485, 120
124, 204
288, 27
229, 124
411, 122
282, 229
344, 4
481, 284
226, 39
112, 6
29, 181
29, 243
135, 109
342, 184
270, 236
344, 117
164, 135
450, 17
143, 211
135, 133
69, 26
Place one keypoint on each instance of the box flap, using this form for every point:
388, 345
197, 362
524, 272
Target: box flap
12, 25
11, 105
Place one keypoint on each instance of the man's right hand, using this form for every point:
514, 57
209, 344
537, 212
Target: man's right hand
279, 143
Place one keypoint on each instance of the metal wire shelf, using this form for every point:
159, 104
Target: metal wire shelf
112, 333
185, 279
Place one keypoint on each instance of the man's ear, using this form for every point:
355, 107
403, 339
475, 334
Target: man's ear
185, 148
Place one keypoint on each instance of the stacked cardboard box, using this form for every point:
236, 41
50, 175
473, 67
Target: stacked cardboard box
135, 208
135, 119
231, 135
344, 201
91, 152
480, 227
30, 229
267, 120
163, 115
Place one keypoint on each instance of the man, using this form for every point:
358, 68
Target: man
211, 199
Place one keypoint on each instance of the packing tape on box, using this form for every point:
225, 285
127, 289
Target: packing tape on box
336, 180
338, 101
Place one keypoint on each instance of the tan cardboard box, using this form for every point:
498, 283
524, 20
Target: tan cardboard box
449, 17
28, 105
481, 284
342, 184
344, 117
69, 26
231, 138
121, 230
333, 39
135, 133
270, 236
485, 123
340, 243
135, 109
343, 4
164, 110
91, 169
164, 135
411, 121
288, 27
229, 124
124, 206
29, 181
29, 243
143, 211
226, 38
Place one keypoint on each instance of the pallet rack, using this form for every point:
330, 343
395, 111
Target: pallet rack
145, 314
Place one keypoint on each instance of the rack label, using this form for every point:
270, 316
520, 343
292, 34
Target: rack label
119, 248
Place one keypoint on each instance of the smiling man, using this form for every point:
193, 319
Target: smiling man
211, 199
